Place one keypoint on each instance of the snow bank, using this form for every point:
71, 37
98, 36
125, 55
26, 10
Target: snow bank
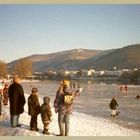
80, 125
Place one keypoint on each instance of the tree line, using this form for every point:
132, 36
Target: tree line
22, 67
132, 77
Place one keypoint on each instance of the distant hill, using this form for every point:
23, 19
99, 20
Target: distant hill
70, 59
126, 57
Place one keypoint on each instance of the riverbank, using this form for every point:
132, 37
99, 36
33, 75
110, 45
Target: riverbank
80, 125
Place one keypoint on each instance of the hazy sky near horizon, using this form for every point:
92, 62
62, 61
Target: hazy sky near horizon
43, 29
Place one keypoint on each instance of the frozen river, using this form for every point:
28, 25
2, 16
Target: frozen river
95, 99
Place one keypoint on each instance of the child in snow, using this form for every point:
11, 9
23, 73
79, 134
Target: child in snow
33, 109
113, 105
5, 95
46, 114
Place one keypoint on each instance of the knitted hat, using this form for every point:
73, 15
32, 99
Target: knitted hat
34, 90
46, 99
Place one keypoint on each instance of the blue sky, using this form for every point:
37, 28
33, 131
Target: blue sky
42, 29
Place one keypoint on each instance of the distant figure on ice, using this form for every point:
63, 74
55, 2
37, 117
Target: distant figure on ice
72, 84
33, 109
79, 90
113, 106
46, 114
121, 88
17, 101
138, 96
126, 88
2, 83
5, 95
63, 106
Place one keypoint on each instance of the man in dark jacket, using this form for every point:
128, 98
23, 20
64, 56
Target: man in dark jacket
17, 101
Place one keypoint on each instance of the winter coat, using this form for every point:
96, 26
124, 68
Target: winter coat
5, 95
33, 105
16, 98
59, 104
45, 109
1, 96
46, 113
113, 104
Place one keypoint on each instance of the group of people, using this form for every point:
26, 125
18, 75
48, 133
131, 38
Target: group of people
62, 104
34, 109
124, 88
113, 103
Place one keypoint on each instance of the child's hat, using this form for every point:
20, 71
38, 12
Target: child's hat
46, 99
34, 90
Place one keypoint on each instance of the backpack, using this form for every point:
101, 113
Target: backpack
68, 99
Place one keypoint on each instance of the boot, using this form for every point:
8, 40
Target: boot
46, 132
60, 134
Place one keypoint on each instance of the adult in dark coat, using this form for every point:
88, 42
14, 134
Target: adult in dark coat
17, 101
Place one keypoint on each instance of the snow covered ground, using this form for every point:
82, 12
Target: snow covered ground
80, 125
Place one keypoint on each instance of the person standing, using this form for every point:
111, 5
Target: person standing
17, 101
5, 95
46, 114
125, 89
58, 105
121, 88
63, 106
33, 109
1, 97
113, 106
1, 104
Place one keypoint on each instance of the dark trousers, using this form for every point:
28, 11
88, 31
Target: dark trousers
46, 127
33, 122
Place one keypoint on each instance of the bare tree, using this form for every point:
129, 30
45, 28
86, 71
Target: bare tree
23, 67
3, 68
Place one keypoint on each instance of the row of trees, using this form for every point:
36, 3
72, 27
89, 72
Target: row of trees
3, 69
22, 67
132, 77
